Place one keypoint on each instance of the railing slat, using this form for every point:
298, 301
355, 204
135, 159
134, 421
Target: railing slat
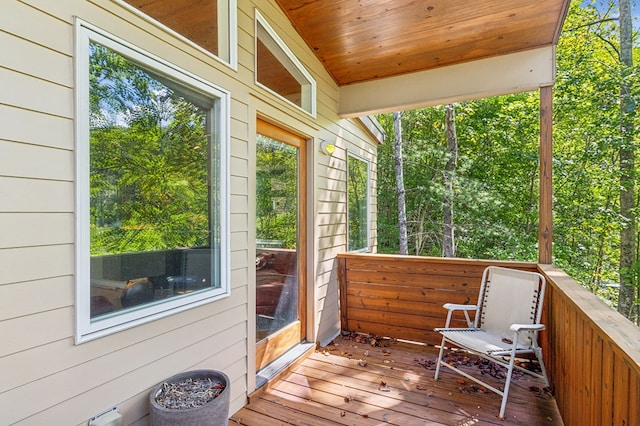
634, 395
596, 377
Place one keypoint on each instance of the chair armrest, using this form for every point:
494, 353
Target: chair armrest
451, 307
456, 307
531, 327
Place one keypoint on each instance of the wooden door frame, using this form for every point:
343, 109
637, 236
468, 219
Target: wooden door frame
271, 347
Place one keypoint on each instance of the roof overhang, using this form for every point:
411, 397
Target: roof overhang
500, 75
401, 54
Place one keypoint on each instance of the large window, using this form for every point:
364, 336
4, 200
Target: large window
211, 24
358, 201
280, 71
151, 195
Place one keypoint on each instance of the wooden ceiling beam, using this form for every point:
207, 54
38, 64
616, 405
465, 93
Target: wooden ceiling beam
500, 75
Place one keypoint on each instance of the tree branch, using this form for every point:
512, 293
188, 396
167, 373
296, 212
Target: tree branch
613, 46
590, 24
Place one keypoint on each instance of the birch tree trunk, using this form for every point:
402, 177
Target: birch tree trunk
448, 242
628, 290
397, 154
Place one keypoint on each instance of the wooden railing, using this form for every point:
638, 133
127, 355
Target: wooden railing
402, 296
592, 353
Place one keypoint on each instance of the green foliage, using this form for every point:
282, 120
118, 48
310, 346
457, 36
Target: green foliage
496, 182
357, 187
276, 192
149, 158
587, 137
495, 193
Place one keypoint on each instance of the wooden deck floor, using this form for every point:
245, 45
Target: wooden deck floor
336, 386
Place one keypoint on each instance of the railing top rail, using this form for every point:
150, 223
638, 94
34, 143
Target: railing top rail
441, 260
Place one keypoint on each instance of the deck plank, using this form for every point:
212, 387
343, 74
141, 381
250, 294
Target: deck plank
332, 386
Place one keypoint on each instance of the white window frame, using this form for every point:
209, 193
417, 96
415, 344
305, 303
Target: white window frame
227, 31
367, 247
281, 51
87, 329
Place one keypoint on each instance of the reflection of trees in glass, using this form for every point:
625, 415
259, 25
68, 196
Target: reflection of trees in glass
277, 190
149, 159
357, 195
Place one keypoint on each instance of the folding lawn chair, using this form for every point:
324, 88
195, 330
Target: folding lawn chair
505, 326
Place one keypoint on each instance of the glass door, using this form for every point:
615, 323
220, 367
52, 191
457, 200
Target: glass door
280, 248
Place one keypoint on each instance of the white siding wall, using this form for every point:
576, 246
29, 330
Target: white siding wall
44, 377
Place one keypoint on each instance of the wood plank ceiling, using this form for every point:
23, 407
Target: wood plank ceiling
364, 40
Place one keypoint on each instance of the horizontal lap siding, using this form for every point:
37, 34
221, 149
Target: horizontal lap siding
36, 203
37, 219
46, 378
149, 360
17, 299
52, 131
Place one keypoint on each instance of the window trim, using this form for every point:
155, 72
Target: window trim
86, 329
308, 91
367, 247
232, 34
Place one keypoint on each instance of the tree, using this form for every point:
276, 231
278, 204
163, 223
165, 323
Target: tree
402, 216
276, 192
496, 174
628, 255
495, 217
149, 161
586, 176
594, 123
448, 245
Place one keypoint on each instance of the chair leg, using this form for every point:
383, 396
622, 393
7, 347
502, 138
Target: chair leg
538, 353
439, 358
507, 384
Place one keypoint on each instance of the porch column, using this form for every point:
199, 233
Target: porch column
545, 215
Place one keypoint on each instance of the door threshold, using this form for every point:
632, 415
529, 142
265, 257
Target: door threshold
283, 362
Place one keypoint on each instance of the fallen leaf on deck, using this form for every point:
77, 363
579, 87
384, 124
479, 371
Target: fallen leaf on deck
348, 398
383, 387
478, 389
507, 340
426, 363
362, 363
421, 387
